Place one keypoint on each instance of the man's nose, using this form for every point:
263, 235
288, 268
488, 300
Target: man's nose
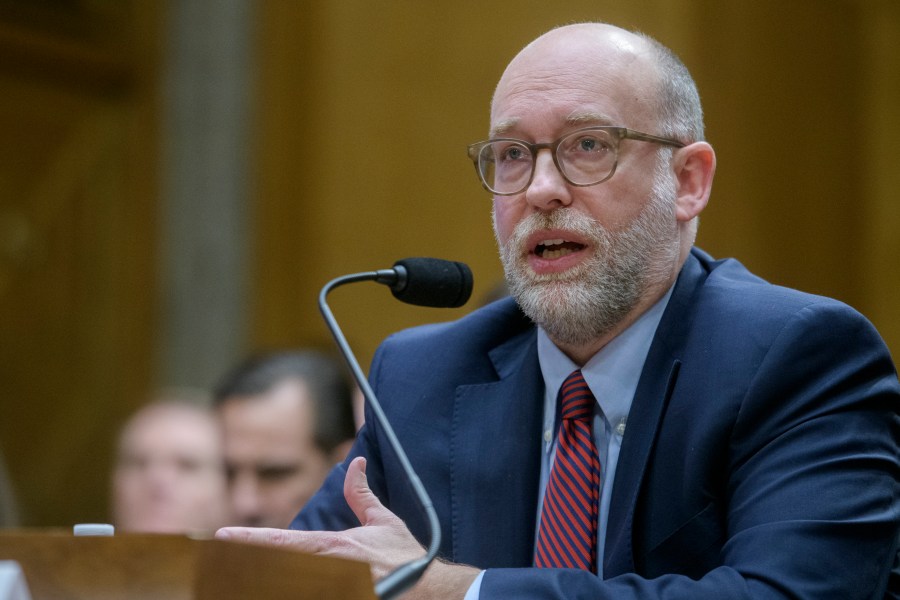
548, 189
161, 474
245, 500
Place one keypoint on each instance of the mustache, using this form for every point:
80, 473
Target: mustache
568, 220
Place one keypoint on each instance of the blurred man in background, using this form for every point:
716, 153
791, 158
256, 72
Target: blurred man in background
169, 475
287, 419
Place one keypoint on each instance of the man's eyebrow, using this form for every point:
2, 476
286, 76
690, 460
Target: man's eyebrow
573, 120
503, 127
588, 118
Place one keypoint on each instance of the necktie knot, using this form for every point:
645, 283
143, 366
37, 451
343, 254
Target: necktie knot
577, 401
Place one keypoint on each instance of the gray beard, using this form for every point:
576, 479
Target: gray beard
587, 302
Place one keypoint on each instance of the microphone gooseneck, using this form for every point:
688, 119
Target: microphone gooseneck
424, 282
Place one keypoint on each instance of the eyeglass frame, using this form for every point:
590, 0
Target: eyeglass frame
620, 133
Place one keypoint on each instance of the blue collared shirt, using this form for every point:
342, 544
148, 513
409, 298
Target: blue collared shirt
612, 374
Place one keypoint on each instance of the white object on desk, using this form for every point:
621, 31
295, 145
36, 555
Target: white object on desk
12, 582
93, 529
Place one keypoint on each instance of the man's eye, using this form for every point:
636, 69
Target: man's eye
590, 145
189, 465
513, 153
277, 473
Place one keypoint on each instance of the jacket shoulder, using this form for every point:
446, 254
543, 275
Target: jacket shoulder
739, 297
463, 341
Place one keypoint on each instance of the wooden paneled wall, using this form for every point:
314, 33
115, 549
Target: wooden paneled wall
363, 113
77, 227
367, 109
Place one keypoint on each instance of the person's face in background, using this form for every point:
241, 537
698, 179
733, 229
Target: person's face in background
169, 476
273, 464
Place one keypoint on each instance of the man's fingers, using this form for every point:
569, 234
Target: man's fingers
364, 504
306, 541
261, 535
255, 535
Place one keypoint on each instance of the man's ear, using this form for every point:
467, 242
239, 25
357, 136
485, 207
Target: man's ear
694, 167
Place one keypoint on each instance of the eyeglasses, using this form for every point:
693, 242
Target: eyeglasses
584, 157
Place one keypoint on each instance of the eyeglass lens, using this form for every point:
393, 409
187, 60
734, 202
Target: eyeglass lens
584, 157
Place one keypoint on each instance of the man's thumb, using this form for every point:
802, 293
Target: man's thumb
364, 504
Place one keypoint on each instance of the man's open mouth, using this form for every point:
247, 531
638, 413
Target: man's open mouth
550, 249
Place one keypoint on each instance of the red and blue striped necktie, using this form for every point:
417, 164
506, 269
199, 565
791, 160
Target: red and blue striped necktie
567, 537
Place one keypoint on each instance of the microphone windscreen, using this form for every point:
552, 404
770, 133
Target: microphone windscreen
434, 282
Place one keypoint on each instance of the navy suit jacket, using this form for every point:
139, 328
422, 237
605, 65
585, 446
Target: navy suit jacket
760, 458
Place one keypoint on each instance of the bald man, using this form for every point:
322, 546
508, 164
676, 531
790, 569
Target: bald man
639, 420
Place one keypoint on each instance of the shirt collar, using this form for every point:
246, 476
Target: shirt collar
612, 373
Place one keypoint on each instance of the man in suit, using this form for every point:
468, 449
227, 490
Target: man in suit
740, 439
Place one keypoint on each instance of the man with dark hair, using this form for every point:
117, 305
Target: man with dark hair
287, 419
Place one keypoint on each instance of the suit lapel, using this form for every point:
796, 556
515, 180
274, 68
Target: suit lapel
651, 397
495, 459
496, 444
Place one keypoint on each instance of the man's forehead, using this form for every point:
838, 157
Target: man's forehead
577, 118
167, 428
573, 87
252, 451
275, 425
288, 397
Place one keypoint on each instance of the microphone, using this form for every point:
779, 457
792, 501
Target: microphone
428, 282
423, 282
